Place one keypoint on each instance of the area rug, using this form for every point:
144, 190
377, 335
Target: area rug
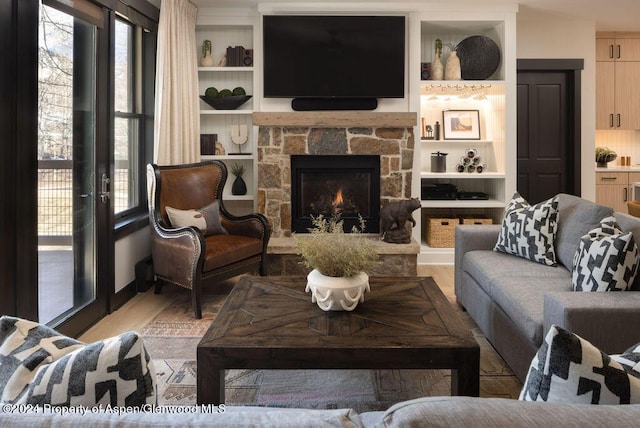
173, 335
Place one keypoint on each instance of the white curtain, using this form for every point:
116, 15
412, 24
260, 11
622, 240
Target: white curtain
177, 115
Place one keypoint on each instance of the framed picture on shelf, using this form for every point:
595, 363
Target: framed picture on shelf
461, 124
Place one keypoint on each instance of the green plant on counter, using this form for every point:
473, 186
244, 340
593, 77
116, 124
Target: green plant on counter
605, 154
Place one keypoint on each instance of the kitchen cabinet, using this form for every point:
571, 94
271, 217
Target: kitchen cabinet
614, 188
617, 83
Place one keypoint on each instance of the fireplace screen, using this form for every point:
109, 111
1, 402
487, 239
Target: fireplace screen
346, 185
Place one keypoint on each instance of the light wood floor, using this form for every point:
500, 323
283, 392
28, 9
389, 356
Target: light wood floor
144, 307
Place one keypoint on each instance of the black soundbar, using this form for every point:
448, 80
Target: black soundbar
315, 104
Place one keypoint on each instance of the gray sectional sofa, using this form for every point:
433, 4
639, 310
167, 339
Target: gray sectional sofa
514, 301
423, 412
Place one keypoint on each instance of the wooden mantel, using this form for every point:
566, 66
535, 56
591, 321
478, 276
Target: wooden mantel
336, 119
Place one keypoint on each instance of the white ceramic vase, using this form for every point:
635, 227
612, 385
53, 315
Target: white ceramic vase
337, 293
437, 69
207, 60
452, 69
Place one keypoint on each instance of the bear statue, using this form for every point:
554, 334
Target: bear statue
393, 220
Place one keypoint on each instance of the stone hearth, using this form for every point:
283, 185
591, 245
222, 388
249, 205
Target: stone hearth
283, 134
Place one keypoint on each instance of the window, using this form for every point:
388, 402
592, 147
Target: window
128, 120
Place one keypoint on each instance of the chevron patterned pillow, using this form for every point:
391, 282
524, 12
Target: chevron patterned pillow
529, 231
606, 259
40, 366
569, 369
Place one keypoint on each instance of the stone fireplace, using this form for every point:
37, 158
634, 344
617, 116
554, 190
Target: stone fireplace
280, 135
388, 136
330, 185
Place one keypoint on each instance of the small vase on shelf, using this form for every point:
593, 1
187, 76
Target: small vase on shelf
207, 59
437, 69
452, 69
239, 187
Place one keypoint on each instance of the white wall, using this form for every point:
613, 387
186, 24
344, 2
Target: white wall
550, 37
129, 251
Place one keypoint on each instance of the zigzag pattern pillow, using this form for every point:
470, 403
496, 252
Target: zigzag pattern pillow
40, 366
630, 360
606, 259
569, 369
529, 231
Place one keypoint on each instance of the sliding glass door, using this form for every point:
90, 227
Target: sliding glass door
71, 193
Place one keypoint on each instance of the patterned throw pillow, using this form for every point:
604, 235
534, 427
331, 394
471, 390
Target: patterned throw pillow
207, 218
40, 366
606, 259
630, 360
529, 231
569, 369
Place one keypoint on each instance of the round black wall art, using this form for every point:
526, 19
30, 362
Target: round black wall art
479, 57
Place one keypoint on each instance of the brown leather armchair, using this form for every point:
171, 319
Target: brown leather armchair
187, 255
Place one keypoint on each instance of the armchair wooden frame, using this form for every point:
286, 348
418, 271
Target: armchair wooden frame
180, 255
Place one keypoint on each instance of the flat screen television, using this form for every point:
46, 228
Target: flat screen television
333, 57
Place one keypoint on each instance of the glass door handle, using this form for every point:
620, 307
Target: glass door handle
104, 188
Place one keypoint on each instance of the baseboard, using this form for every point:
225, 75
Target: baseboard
123, 296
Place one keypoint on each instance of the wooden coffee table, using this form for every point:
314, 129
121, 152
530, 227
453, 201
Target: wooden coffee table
270, 323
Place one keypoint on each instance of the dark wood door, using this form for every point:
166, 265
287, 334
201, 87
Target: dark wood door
548, 131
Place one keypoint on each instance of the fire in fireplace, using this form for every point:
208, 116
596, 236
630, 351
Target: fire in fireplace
348, 185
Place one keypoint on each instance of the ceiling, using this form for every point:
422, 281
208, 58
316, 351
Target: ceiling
608, 15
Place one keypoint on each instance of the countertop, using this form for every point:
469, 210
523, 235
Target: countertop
619, 168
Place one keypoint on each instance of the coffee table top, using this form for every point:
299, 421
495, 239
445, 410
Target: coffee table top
276, 313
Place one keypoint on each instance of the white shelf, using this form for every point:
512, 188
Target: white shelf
457, 203
462, 175
225, 69
230, 197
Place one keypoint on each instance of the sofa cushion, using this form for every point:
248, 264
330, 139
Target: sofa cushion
529, 231
488, 266
522, 300
606, 260
502, 412
576, 217
568, 368
207, 218
40, 366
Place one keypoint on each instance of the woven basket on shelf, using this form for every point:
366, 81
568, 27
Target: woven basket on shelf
475, 219
440, 232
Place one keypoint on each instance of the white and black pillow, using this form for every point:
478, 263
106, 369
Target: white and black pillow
606, 259
40, 366
207, 218
569, 369
530, 231
630, 360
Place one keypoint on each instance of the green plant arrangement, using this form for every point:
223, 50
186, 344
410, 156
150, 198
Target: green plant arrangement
438, 47
334, 253
206, 48
237, 170
604, 155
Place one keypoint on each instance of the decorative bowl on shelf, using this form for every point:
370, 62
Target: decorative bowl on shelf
226, 103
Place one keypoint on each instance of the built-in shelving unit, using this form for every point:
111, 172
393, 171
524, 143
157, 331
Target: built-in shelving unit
494, 99
223, 31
